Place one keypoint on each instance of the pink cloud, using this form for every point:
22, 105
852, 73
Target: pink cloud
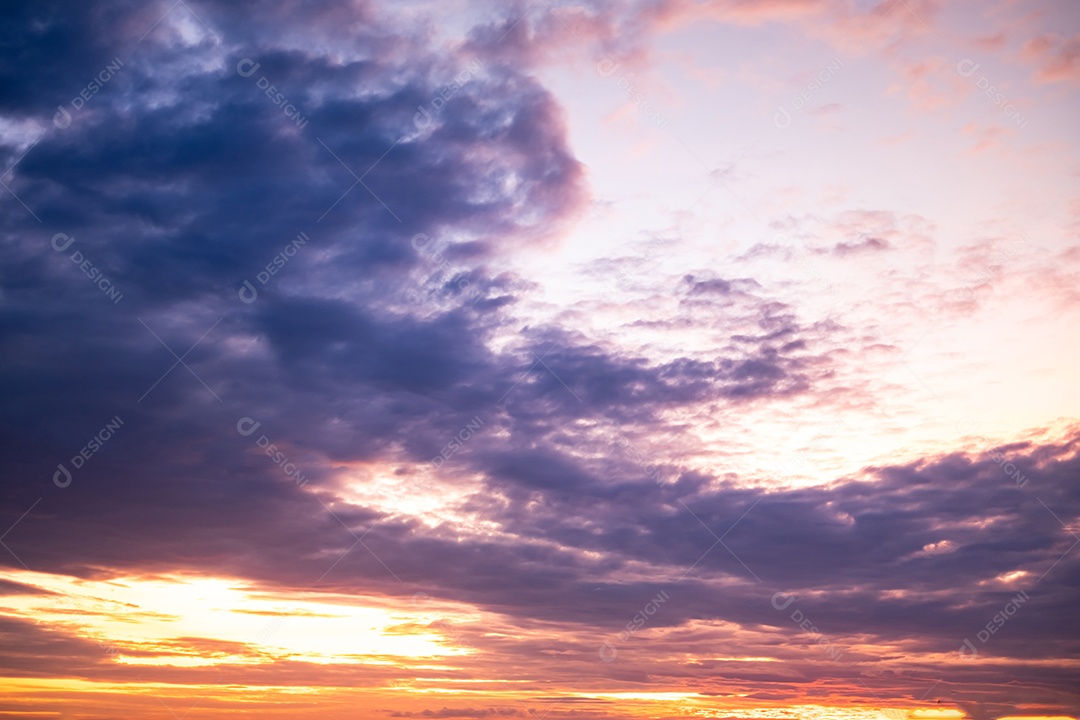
898, 139
1057, 58
990, 43
987, 138
920, 80
845, 25
673, 13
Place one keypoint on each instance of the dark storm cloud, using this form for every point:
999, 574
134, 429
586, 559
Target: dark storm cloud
911, 553
186, 181
50, 49
179, 179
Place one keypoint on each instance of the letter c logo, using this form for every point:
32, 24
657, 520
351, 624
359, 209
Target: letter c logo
967, 425
781, 601
608, 653
421, 237
248, 293
966, 67
62, 236
968, 650
251, 64
422, 118
56, 476
62, 118
606, 67
782, 118
245, 426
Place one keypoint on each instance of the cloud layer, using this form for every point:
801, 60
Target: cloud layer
263, 317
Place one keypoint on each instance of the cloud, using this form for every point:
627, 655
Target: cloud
867, 244
1056, 58
585, 475
910, 559
461, 713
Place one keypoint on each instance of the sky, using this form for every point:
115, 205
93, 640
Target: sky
582, 360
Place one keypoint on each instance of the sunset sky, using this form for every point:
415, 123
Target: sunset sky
555, 360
